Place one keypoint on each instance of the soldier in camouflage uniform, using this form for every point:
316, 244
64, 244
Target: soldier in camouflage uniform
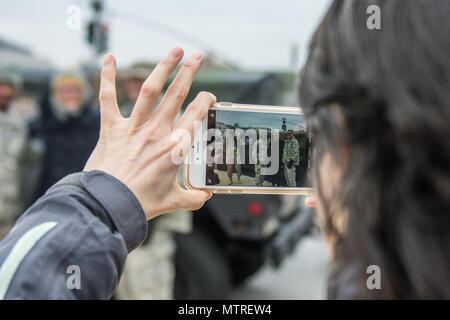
13, 141
149, 272
237, 159
262, 161
291, 158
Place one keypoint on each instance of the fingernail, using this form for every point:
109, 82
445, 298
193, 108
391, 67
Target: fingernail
176, 52
109, 59
197, 56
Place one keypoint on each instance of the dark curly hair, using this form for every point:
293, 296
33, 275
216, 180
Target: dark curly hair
392, 88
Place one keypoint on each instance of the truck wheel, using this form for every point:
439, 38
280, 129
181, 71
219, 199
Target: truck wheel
201, 270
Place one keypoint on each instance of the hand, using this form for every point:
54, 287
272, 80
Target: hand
290, 163
311, 201
137, 150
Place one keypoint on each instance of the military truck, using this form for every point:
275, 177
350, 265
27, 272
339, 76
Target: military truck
234, 236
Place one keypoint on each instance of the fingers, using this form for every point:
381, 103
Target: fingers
153, 86
311, 201
196, 112
194, 199
107, 94
178, 90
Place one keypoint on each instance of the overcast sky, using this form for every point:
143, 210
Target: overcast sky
253, 34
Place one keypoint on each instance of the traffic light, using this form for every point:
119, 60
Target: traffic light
90, 35
97, 36
97, 31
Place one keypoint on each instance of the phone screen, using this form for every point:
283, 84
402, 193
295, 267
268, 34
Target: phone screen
258, 149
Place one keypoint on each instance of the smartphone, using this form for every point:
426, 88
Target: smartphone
242, 149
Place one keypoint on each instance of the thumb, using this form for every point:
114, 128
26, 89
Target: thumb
194, 199
311, 201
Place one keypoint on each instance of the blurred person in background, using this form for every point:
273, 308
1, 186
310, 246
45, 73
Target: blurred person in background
68, 126
133, 79
13, 142
150, 269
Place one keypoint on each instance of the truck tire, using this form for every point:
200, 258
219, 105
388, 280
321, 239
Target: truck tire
201, 270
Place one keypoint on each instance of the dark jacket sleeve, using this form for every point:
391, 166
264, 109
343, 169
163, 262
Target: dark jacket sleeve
73, 242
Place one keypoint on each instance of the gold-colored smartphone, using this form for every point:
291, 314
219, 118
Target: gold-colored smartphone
242, 149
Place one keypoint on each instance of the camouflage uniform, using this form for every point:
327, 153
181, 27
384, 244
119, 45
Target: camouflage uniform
150, 269
13, 141
236, 165
259, 179
262, 162
291, 151
238, 161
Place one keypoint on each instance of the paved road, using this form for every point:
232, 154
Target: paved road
245, 180
301, 276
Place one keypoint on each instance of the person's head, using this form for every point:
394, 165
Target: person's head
290, 134
69, 91
133, 87
134, 79
10, 84
378, 106
236, 125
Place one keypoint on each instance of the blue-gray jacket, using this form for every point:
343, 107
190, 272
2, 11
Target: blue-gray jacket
73, 242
